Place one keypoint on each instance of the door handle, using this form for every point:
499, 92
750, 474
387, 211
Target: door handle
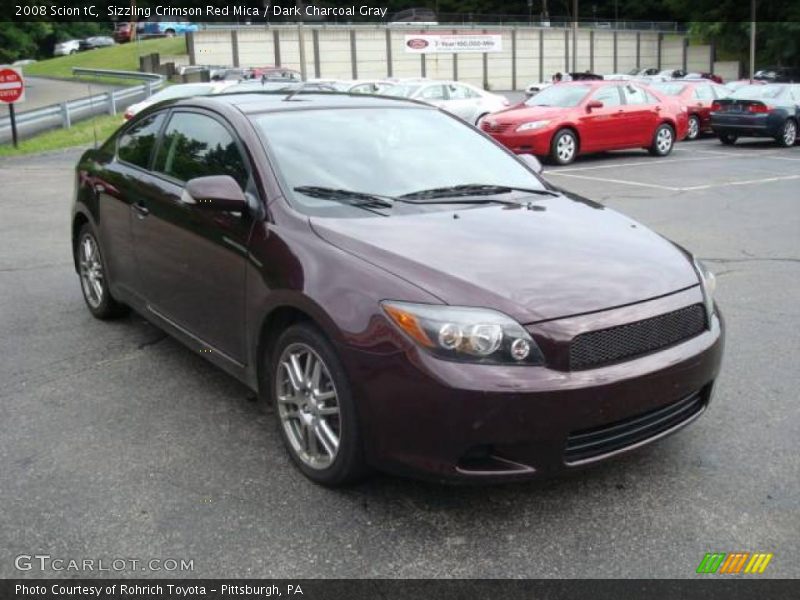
140, 209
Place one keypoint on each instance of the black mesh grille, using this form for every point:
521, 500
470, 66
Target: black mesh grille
595, 442
634, 339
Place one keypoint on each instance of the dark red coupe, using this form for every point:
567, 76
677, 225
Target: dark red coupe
407, 294
568, 119
697, 97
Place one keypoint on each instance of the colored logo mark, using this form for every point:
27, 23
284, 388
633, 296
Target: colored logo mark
734, 563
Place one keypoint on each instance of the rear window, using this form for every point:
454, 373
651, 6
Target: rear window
669, 88
758, 92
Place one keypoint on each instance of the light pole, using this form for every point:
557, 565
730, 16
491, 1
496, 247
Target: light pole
575, 36
752, 39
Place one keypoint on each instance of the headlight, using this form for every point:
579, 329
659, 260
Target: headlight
465, 334
533, 125
709, 285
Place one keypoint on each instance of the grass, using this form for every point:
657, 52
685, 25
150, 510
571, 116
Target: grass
80, 134
123, 57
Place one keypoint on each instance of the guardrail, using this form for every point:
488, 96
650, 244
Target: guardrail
64, 114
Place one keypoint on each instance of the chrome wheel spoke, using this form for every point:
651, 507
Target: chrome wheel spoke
307, 405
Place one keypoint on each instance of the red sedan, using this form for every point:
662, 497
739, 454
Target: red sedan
574, 118
697, 97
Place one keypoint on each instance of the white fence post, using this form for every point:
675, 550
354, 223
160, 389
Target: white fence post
112, 104
66, 123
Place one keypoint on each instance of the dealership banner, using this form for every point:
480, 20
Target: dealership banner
464, 42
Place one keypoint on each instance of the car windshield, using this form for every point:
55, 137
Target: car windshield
758, 92
183, 91
669, 88
383, 152
401, 90
565, 96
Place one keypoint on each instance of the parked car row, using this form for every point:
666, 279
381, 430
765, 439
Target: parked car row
68, 47
771, 110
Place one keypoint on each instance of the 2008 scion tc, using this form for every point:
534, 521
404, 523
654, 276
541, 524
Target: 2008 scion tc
408, 294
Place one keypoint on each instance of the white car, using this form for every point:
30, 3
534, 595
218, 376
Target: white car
356, 86
534, 88
66, 48
463, 100
183, 90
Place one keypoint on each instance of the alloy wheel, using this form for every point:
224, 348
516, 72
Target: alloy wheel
308, 406
789, 133
664, 140
565, 148
694, 128
91, 271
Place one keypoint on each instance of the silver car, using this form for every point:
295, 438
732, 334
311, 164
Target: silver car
461, 99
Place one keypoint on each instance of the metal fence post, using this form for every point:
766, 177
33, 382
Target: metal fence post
353, 56
514, 58
389, 69
235, 46
616, 52
112, 104
315, 45
65, 120
148, 89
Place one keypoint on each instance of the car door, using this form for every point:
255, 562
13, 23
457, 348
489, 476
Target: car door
463, 102
435, 94
119, 187
600, 128
641, 114
191, 262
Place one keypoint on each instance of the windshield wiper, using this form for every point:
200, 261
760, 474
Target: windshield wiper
363, 200
472, 189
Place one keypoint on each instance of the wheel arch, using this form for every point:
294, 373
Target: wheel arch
78, 221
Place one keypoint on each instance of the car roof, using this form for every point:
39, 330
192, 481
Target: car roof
262, 102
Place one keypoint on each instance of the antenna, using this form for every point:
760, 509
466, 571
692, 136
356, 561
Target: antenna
290, 96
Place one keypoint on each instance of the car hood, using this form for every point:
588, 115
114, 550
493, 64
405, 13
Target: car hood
523, 113
560, 257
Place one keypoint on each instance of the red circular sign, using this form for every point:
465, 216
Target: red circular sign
11, 86
417, 43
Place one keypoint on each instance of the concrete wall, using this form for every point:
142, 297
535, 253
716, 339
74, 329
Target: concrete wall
529, 54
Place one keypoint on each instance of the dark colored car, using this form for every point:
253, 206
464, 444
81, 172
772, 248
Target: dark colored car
697, 96
407, 293
779, 74
98, 41
771, 110
568, 119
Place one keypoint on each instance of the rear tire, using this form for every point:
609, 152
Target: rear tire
663, 140
563, 147
694, 128
788, 135
314, 408
93, 276
728, 138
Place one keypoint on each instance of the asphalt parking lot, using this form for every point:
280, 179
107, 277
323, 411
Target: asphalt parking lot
118, 442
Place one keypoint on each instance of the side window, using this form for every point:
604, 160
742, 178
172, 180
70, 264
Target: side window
703, 92
136, 144
433, 92
195, 146
608, 95
461, 92
634, 95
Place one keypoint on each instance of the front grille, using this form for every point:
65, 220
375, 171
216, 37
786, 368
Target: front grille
606, 346
495, 128
595, 442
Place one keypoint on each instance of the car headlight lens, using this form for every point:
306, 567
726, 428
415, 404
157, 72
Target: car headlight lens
533, 125
709, 284
465, 334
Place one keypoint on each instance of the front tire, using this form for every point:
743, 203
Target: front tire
788, 135
314, 406
563, 147
94, 277
663, 140
694, 128
728, 139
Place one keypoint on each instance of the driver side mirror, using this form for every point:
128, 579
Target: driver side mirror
215, 192
531, 162
593, 104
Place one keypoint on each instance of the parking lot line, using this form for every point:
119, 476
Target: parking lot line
691, 188
643, 162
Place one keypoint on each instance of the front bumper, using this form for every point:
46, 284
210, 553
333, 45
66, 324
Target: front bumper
535, 142
456, 421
